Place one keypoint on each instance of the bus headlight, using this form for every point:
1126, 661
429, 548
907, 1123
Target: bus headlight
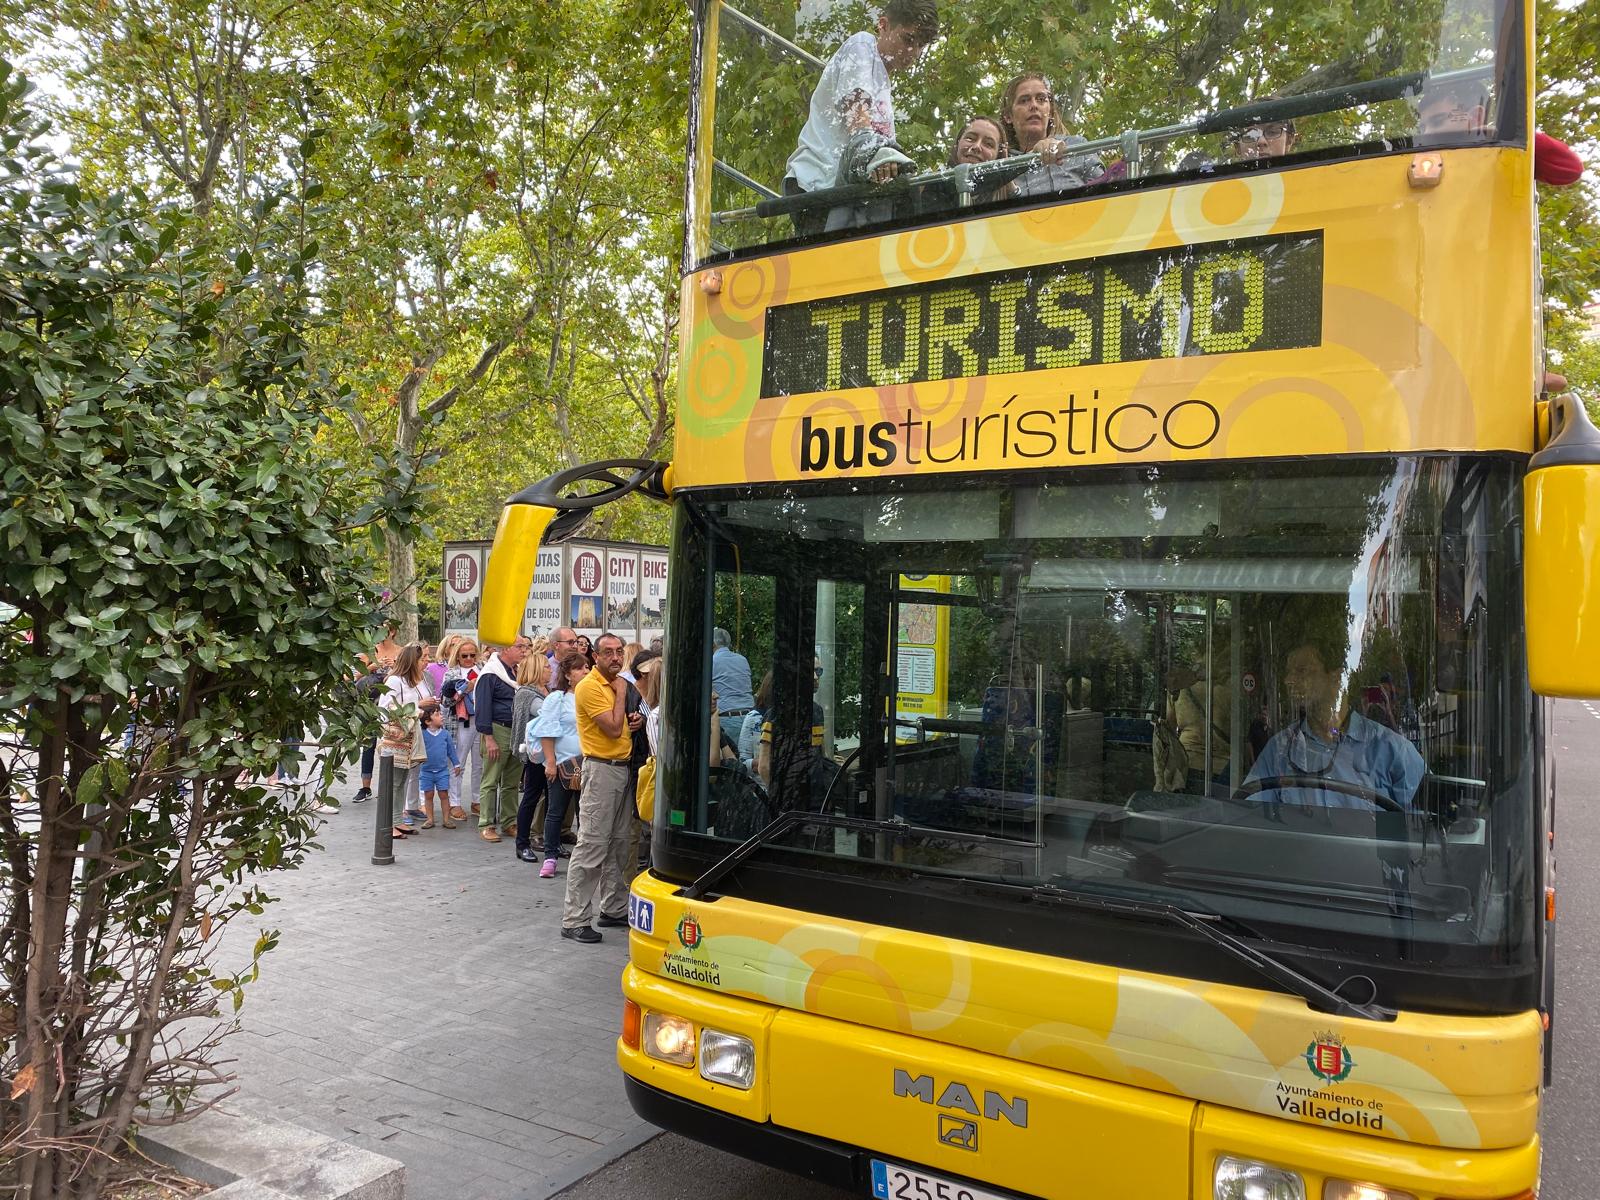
1339, 1189
727, 1058
1246, 1179
671, 1039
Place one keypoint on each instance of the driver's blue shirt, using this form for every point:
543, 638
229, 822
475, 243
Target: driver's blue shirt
1365, 753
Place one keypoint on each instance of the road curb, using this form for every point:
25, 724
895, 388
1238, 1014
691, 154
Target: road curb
249, 1156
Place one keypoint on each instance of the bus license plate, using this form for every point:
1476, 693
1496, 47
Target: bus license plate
893, 1182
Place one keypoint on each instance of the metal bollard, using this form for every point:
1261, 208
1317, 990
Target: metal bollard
383, 834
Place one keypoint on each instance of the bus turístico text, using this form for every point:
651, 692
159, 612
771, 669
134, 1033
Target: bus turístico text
1148, 547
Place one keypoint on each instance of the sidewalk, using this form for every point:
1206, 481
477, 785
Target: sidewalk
429, 1011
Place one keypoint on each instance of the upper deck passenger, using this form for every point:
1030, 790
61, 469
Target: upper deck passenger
981, 140
1448, 111
1265, 139
1033, 124
853, 95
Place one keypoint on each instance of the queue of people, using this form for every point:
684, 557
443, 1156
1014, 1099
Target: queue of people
849, 133
541, 741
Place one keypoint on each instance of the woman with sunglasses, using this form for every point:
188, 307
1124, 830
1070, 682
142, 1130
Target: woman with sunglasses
460, 678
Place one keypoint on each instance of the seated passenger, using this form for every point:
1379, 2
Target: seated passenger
1327, 741
750, 728
788, 764
981, 140
1447, 111
1266, 139
852, 96
1033, 125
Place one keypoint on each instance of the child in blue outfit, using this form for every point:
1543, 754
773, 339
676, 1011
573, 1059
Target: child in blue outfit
434, 781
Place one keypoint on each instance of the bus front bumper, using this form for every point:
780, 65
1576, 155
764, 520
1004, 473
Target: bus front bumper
829, 1097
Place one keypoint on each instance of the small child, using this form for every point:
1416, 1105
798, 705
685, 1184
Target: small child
433, 784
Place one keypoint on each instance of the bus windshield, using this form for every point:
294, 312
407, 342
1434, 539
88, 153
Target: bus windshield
1289, 696
833, 117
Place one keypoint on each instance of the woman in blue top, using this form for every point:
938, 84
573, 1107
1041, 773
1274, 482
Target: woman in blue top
553, 740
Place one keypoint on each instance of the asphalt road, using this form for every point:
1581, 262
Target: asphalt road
670, 1168
1571, 1152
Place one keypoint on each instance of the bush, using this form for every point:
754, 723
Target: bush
179, 559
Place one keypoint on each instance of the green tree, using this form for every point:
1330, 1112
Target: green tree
502, 207
179, 558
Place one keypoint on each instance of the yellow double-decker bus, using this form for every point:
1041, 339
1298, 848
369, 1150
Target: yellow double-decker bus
1101, 750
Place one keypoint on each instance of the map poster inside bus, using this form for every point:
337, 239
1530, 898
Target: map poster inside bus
922, 653
589, 586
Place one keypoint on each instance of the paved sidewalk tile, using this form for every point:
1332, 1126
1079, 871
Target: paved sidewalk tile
428, 1010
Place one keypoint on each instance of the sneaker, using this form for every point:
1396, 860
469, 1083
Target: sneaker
362, 795
548, 871
581, 933
607, 921
323, 810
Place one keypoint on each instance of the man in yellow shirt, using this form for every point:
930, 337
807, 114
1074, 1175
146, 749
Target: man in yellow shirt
598, 868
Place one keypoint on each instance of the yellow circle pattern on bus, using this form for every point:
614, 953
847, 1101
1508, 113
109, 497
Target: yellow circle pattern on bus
1404, 363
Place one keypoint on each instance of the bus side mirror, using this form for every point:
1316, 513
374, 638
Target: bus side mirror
509, 577
1561, 556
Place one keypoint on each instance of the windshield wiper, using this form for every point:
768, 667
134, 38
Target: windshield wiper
1208, 925
786, 821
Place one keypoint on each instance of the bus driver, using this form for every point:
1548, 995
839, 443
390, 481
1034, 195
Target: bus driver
1325, 740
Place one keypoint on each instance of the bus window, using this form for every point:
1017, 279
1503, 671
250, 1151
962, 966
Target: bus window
1226, 689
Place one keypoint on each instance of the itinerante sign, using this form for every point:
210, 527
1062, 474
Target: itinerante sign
591, 586
1212, 298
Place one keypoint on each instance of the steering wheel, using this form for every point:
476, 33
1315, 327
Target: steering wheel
1272, 782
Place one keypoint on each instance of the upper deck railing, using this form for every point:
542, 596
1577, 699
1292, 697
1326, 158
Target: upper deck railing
967, 180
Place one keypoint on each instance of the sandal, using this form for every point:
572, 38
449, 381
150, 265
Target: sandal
449, 824
456, 813
428, 824
398, 834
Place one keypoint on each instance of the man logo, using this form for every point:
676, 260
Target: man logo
957, 1095
954, 1131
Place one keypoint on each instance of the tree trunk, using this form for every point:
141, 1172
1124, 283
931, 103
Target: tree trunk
403, 584
55, 863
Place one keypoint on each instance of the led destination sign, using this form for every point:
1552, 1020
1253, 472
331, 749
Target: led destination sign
1215, 298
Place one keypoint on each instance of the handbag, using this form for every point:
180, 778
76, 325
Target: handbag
571, 774
402, 735
644, 796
